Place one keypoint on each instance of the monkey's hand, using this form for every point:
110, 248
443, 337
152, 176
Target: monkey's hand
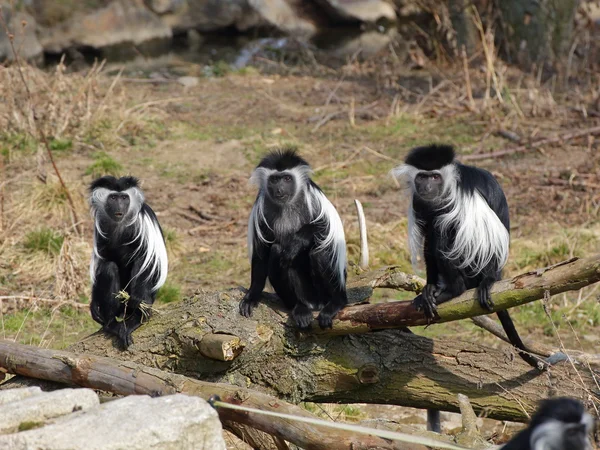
302, 316
427, 300
247, 305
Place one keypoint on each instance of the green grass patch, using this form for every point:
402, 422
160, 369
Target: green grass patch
60, 145
54, 328
12, 144
104, 164
44, 240
168, 293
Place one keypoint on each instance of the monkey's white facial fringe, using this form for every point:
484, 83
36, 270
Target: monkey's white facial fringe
481, 238
406, 175
146, 232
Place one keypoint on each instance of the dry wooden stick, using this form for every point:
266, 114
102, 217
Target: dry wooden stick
127, 378
534, 145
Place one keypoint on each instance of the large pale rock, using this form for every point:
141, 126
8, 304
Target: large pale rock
22, 26
46, 405
14, 395
176, 422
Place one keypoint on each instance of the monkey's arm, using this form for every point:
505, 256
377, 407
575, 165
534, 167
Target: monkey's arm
104, 306
259, 272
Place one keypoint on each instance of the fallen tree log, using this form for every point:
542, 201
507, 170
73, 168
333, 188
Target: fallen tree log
126, 378
388, 366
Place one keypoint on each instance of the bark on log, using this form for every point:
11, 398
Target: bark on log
385, 367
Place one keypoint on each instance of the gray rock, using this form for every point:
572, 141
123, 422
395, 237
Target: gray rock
47, 405
119, 22
14, 395
176, 422
287, 15
211, 15
23, 28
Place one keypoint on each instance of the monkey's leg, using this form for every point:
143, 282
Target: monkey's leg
328, 286
293, 286
104, 306
259, 272
485, 299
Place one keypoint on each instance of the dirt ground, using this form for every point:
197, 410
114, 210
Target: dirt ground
193, 148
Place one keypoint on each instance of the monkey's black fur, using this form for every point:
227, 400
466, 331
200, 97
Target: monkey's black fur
445, 278
559, 424
430, 157
286, 237
129, 255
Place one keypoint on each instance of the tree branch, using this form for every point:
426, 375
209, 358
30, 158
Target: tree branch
525, 288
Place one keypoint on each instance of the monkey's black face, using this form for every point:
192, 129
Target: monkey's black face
429, 185
281, 188
117, 205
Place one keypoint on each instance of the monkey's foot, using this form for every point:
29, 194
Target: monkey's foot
485, 299
302, 316
247, 305
427, 301
326, 316
428, 307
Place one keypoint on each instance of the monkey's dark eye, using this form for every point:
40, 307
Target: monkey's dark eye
112, 197
272, 180
287, 178
436, 176
124, 197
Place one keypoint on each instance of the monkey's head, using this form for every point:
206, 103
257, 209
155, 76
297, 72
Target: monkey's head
281, 176
116, 199
428, 171
561, 424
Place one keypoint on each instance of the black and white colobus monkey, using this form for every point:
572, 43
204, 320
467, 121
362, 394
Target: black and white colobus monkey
558, 424
129, 255
458, 218
296, 239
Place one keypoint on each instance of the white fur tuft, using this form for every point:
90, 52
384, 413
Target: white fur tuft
480, 235
334, 241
